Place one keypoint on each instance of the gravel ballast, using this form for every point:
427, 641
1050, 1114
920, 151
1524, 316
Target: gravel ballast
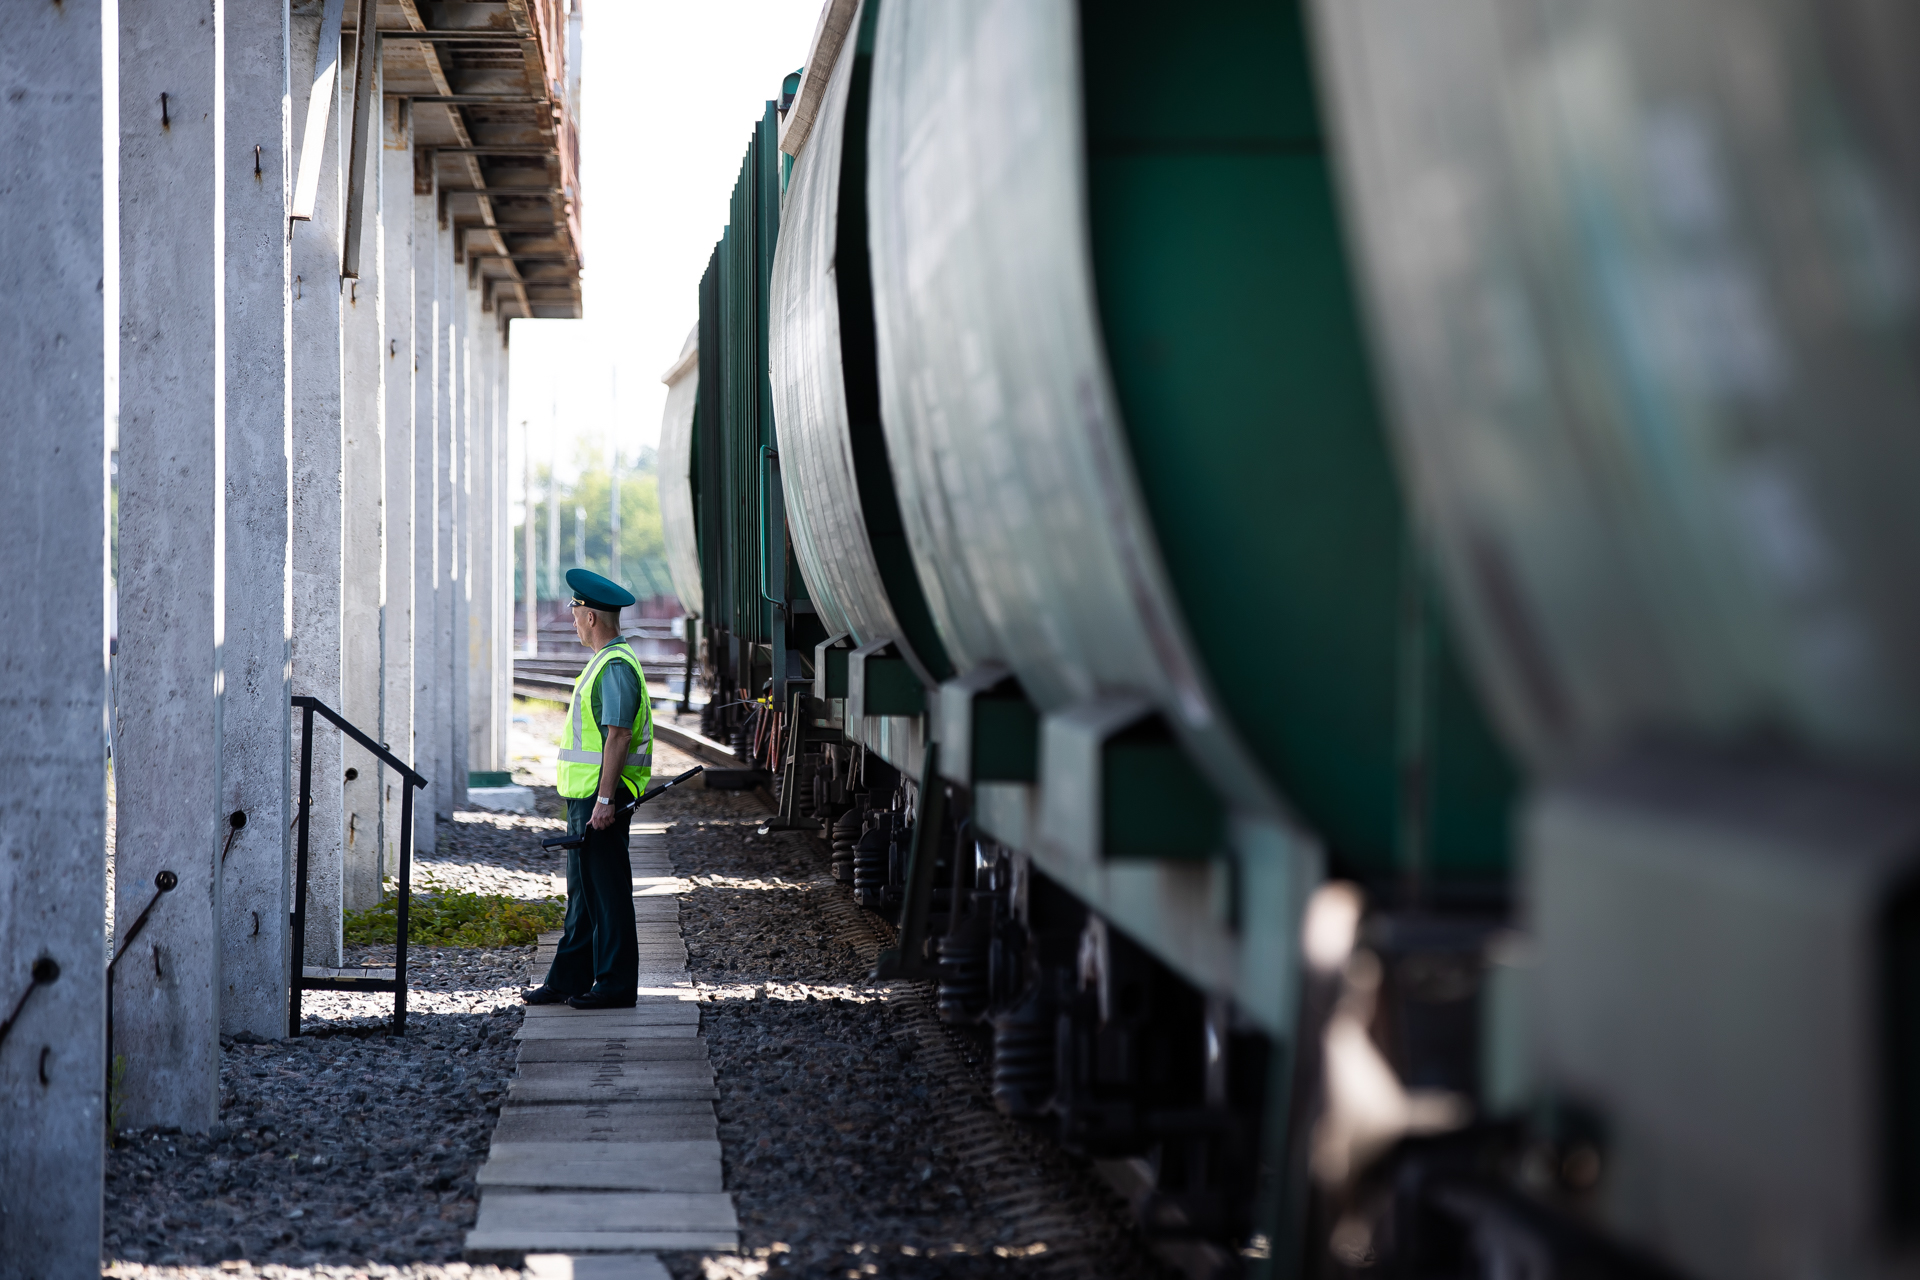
851, 1123
847, 1132
344, 1151
346, 1147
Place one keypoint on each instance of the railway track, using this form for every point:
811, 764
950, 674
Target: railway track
1042, 1196
1042, 1211
550, 673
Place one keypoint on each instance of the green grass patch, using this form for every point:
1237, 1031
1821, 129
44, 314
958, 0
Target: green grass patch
444, 917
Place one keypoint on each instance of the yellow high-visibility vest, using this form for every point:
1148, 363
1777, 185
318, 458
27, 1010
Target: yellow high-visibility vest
581, 740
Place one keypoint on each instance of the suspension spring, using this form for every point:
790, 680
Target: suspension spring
1023, 1057
846, 833
963, 977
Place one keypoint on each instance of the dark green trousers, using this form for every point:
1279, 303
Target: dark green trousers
598, 951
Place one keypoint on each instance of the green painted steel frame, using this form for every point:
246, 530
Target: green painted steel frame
1236, 350
749, 581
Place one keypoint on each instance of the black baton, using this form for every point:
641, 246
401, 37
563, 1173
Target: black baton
621, 811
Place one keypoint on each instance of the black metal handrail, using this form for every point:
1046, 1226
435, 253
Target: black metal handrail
412, 779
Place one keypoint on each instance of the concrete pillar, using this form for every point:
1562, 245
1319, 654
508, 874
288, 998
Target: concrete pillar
314, 362
480, 613
363, 362
255, 895
396, 617
447, 577
53, 507
168, 749
503, 644
461, 305
427, 355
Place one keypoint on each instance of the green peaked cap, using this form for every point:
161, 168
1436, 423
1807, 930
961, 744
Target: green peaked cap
596, 592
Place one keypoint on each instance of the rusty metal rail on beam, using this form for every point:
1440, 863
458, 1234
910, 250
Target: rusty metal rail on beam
478, 99
460, 37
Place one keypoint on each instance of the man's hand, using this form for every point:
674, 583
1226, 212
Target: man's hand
613, 758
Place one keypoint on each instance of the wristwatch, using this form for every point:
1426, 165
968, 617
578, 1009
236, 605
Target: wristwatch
603, 799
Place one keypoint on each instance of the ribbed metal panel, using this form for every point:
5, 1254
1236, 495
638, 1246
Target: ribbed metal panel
1026, 520
677, 479
1645, 278
709, 454
739, 506
824, 513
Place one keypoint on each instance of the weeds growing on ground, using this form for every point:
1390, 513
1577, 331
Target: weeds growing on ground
439, 916
116, 1093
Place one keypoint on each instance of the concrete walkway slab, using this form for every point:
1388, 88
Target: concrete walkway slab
591, 1266
508, 1245
587, 1029
618, 1212
620, 1024
691, 1048
529, 1092
671, 1120
613, 1068
607, 1145
687, 1165
650, 1011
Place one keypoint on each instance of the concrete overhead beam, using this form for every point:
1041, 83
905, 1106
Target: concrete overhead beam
53, 515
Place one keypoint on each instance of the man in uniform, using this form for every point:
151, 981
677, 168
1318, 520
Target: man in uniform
606, 756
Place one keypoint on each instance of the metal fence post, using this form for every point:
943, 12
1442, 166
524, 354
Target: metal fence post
400, 911
300, 872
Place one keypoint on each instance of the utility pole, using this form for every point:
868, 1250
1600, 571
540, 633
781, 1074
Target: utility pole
613, 472
527, 565
553, 501
579, 535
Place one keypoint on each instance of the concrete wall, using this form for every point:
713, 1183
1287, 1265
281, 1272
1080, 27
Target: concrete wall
53, 499
169, 755
363, 363
314, 364
255, 718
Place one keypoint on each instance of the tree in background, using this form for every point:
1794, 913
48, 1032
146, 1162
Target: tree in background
643, 546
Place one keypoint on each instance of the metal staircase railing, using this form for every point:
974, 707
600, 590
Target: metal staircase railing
301, 982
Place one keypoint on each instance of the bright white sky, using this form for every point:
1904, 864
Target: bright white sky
670, 94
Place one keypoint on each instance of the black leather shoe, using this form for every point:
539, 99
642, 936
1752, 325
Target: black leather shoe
542, 994
602, 1000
